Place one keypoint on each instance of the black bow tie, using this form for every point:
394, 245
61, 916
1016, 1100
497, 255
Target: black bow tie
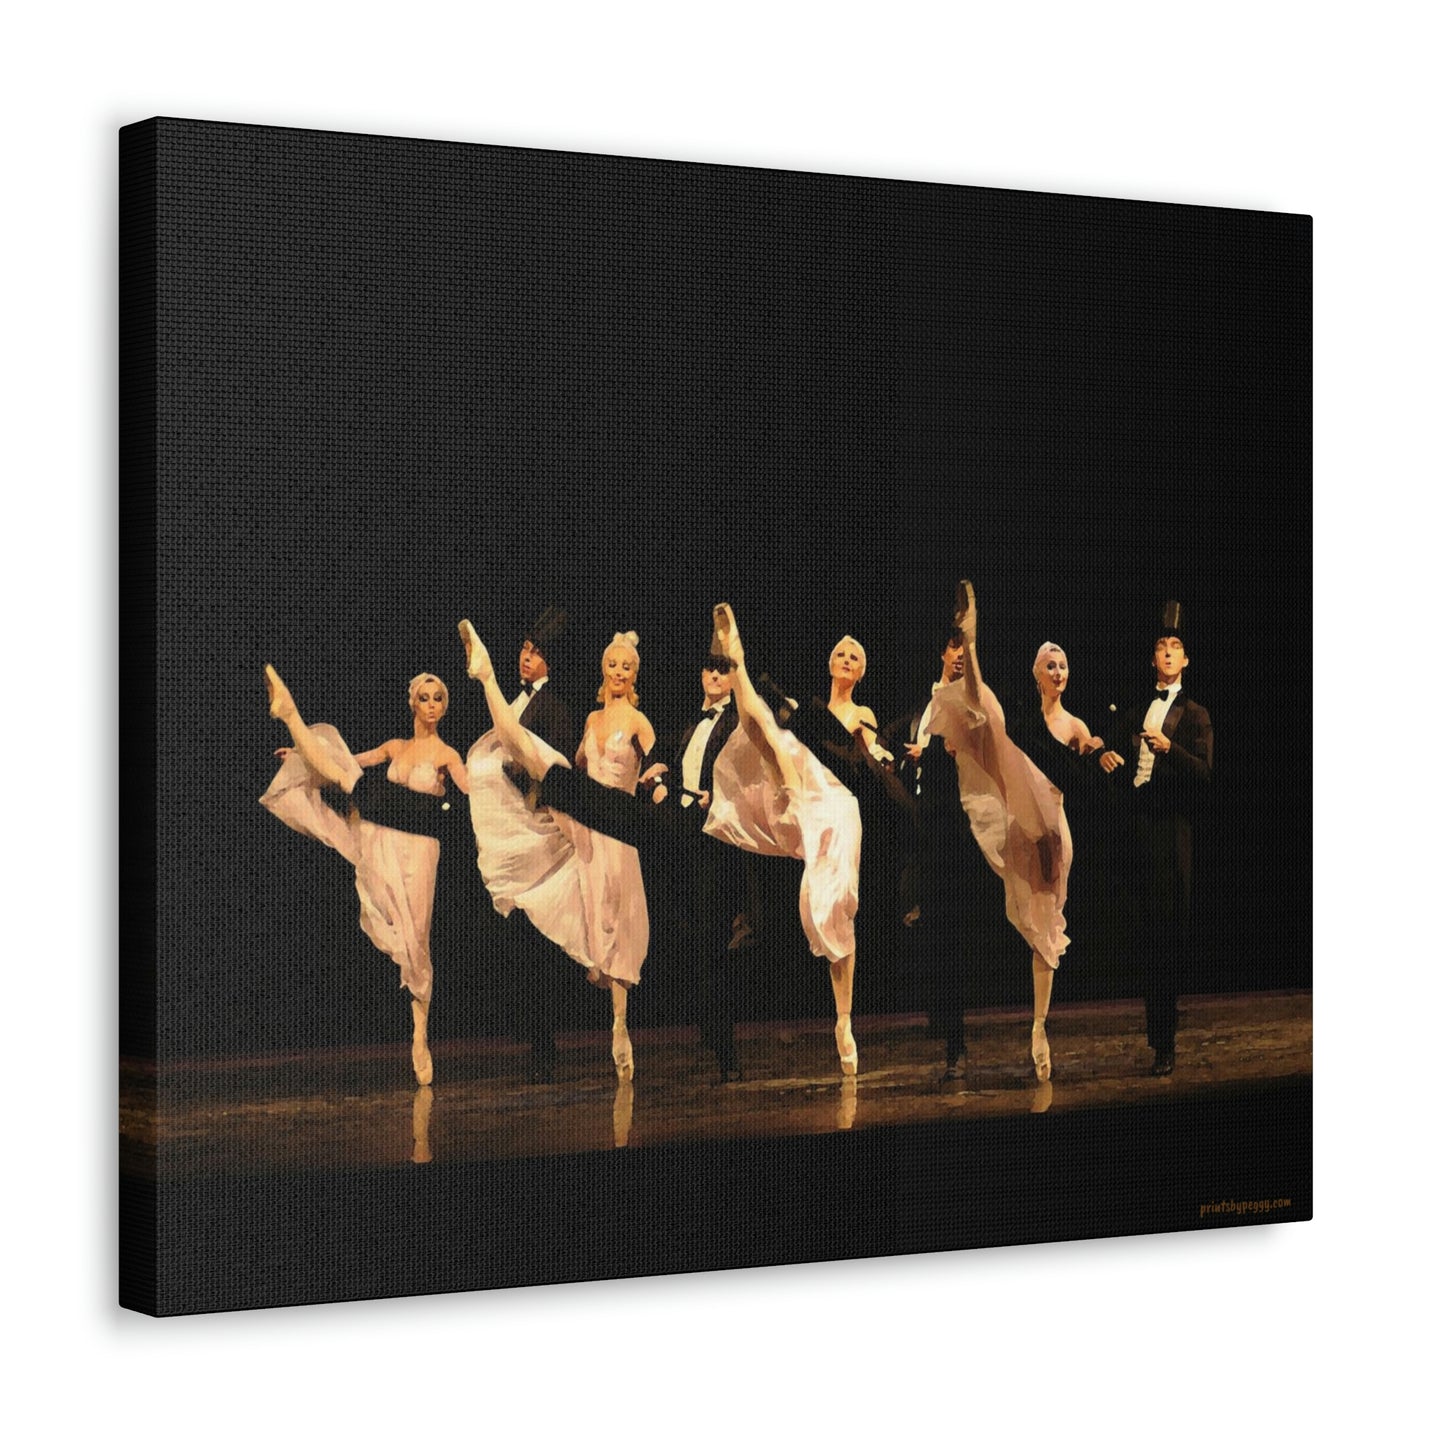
711, 711
1161, 692
529, 688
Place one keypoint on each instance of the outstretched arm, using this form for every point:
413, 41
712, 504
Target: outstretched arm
457, 770
318, 759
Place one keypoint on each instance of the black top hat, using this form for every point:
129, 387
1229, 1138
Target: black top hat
1169, 622
547, 629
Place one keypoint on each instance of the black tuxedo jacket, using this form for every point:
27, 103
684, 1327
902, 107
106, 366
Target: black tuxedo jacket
549, 717
896, 737
1178, 775
722, 730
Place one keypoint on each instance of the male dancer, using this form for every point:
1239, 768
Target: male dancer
1169, 747
712, 881
946, 875
541, 966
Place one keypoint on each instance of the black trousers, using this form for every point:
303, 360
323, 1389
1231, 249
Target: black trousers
684, 863
958, 900
1164, 868
543, 971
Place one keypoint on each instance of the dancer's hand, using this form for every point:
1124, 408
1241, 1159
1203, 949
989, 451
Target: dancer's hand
479, 662
1109, 761
1156, 741
655, 771
283, 706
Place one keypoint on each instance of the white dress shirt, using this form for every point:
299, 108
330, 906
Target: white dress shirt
1153, 719
524, 697
697, 746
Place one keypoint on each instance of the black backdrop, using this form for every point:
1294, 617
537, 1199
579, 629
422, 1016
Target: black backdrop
400, 382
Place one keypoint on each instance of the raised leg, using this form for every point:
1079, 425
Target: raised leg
966, 616
283, 709
750, 705
517, 739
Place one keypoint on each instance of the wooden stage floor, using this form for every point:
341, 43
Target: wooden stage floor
347, 1110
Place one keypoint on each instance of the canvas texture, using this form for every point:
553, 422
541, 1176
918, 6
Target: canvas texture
371, 386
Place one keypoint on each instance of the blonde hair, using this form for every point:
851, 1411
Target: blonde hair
629, 640
415, 685
1043, 652
862, 652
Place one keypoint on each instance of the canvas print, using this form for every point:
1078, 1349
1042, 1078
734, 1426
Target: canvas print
680, 716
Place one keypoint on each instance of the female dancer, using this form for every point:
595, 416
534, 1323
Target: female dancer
615, 739
1016, 813
1058, 743
772, 794
580, 886
390, 834
1051, 674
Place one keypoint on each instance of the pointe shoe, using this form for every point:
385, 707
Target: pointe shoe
725, 626
965, 613
621, 1050
278, 695
421, 1061
1043, 1065
847, 1046
479, 660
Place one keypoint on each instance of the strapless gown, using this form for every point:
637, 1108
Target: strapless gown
581, 889
1015, 812
396, 872
821, 825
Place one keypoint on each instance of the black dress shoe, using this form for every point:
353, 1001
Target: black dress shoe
956, 1067
1163, 1063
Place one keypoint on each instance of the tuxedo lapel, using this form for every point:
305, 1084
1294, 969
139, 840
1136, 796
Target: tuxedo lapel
1173, 716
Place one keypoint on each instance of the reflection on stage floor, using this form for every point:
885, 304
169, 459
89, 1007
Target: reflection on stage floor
350, 1109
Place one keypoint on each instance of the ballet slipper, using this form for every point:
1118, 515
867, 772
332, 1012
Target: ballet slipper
621, 1049
966, 612
726, 627
847, 1045
278, 695
1043, 1065
479, 660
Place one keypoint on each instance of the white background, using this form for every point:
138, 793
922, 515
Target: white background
1260, 1334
